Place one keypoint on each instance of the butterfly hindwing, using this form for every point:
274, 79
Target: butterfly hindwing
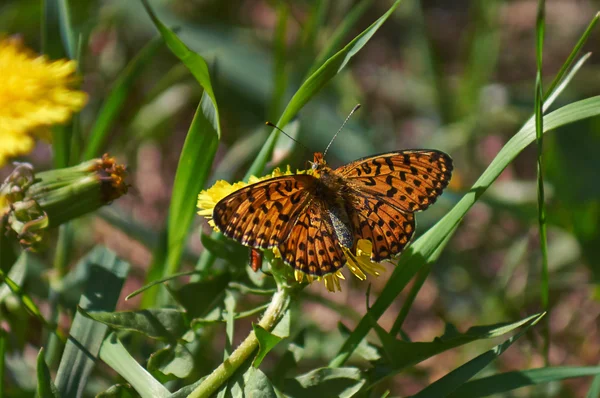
409, 180
261, 215
312, 246
388, 229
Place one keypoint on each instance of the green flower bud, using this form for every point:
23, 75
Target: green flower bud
31, 203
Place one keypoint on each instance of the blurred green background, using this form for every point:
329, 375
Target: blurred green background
456, 76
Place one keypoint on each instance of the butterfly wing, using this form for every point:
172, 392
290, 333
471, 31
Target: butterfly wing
312, 246
262, 215
387, 228
409, 180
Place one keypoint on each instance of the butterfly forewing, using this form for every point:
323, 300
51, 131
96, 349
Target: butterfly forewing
262, 215
312, 246
409, 180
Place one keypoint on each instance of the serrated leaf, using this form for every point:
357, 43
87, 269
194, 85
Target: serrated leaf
450, 382
366, 350
172, 361
400, 354
106, 277
45, 387
510, 381
325, 382
162, 324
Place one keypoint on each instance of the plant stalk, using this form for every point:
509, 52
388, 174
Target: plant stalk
220, 375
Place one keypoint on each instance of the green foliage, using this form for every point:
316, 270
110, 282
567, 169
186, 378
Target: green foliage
223, 330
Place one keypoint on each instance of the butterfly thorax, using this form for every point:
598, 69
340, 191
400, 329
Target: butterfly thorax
330, 190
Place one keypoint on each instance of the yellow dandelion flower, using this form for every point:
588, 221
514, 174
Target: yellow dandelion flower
35, 93
359, 263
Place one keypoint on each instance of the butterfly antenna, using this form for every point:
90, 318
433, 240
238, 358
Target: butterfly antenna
289, 136
343, 124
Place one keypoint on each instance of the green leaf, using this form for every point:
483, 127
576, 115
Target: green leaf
289, 360
429, 246
325, 382
17, 274
314, 84
218, 313
365, 350
268, 340
45, 387
250, 382
450, 382
335, 40
159, 282
114, 102
594, 390
106, 278
510, 381
174, 361
118, 391
401, 354
230, 302
3, 346
198, 150
162, 324
198, 298
116, 356
228, 250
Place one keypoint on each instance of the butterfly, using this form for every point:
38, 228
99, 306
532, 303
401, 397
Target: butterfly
315, 218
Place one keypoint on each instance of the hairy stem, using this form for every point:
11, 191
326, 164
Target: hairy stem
220, 375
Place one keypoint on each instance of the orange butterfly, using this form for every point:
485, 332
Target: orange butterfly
313, 219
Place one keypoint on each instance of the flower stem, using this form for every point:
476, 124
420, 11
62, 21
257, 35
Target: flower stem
274, 312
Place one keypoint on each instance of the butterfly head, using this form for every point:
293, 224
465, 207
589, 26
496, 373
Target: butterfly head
318, 163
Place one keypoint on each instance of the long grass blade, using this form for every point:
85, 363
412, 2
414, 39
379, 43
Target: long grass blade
426, 249
539, 133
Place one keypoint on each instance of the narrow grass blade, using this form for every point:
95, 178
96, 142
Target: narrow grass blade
539, 134
426, 249
57, 42
484, 48
198, 150
569, 62
313, 85
280, 74
158, 282
459, 376
594, 390
3, 346
350, 19
114, 102
408, 302
116, 356
45, 387
509, 381
106, 278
